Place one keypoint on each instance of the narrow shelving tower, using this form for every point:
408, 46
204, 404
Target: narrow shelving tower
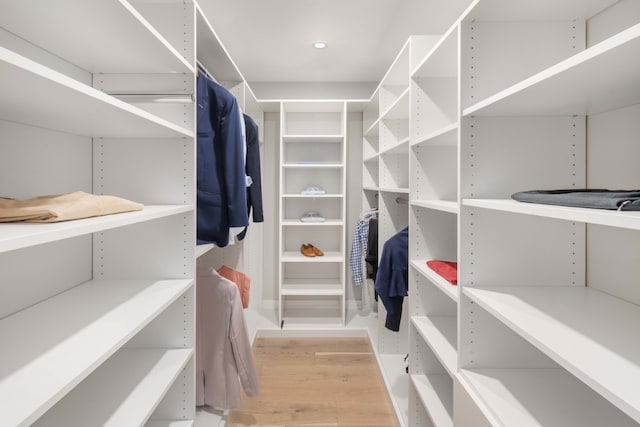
433, 223
312, 154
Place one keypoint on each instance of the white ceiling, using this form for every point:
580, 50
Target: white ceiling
271, 40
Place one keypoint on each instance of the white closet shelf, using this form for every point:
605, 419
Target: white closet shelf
311, 287
436, 393
298, 257
538, 398
399, 190
586, 83
169, 423
370, 188
442, 59
372, 140
401, 147
315, 139
326, 223
312, 196
447, 135
629, 219
584, 330
36, 95
20, 235
203, 249
372, 108
398, 72
391, 101
373, 158
55, 344
373, 130
541, 10
311, 319
440, 334
447, 288
302, 165
399, 109
125, 390
137, 47
438, 205
369, 122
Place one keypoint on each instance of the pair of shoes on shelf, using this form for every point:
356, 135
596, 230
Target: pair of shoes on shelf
313, 190
311, 217
307, 249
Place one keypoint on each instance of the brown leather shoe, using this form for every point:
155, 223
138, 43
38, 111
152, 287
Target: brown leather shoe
315, 250
307, 250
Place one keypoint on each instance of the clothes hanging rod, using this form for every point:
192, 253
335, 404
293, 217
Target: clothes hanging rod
206, 72
402, 201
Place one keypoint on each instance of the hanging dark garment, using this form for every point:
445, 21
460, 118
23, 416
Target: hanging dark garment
221, 182
252, 169
371, 257
393, 277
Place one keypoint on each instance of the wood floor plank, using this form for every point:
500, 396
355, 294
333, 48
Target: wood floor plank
316, 382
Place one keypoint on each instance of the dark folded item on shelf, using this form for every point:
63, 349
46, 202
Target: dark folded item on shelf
621, 200
447, 269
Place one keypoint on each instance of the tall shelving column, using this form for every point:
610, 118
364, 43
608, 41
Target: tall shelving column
433, 223
392, 127
548, 309
393, 139
386, 186
312, 153
107, 314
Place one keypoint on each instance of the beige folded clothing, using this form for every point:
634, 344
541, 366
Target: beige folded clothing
63, 207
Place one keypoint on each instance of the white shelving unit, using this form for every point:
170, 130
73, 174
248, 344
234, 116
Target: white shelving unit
312, 153
540, 329
393, 125
96, 307
572, 104
434, 207
386, 181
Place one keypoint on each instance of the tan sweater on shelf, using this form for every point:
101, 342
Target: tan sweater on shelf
63, 207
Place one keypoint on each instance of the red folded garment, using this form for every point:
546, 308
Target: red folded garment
446, 269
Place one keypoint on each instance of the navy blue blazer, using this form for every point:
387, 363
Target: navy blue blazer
254, 192
393, 277
221, 182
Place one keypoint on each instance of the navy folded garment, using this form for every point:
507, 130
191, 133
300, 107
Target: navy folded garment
621, 200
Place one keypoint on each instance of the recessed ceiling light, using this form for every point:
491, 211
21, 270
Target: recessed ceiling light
319, 45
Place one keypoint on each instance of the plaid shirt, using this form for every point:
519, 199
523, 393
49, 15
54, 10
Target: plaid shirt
358, 248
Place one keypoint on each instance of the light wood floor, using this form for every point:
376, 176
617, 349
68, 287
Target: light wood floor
316, 382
